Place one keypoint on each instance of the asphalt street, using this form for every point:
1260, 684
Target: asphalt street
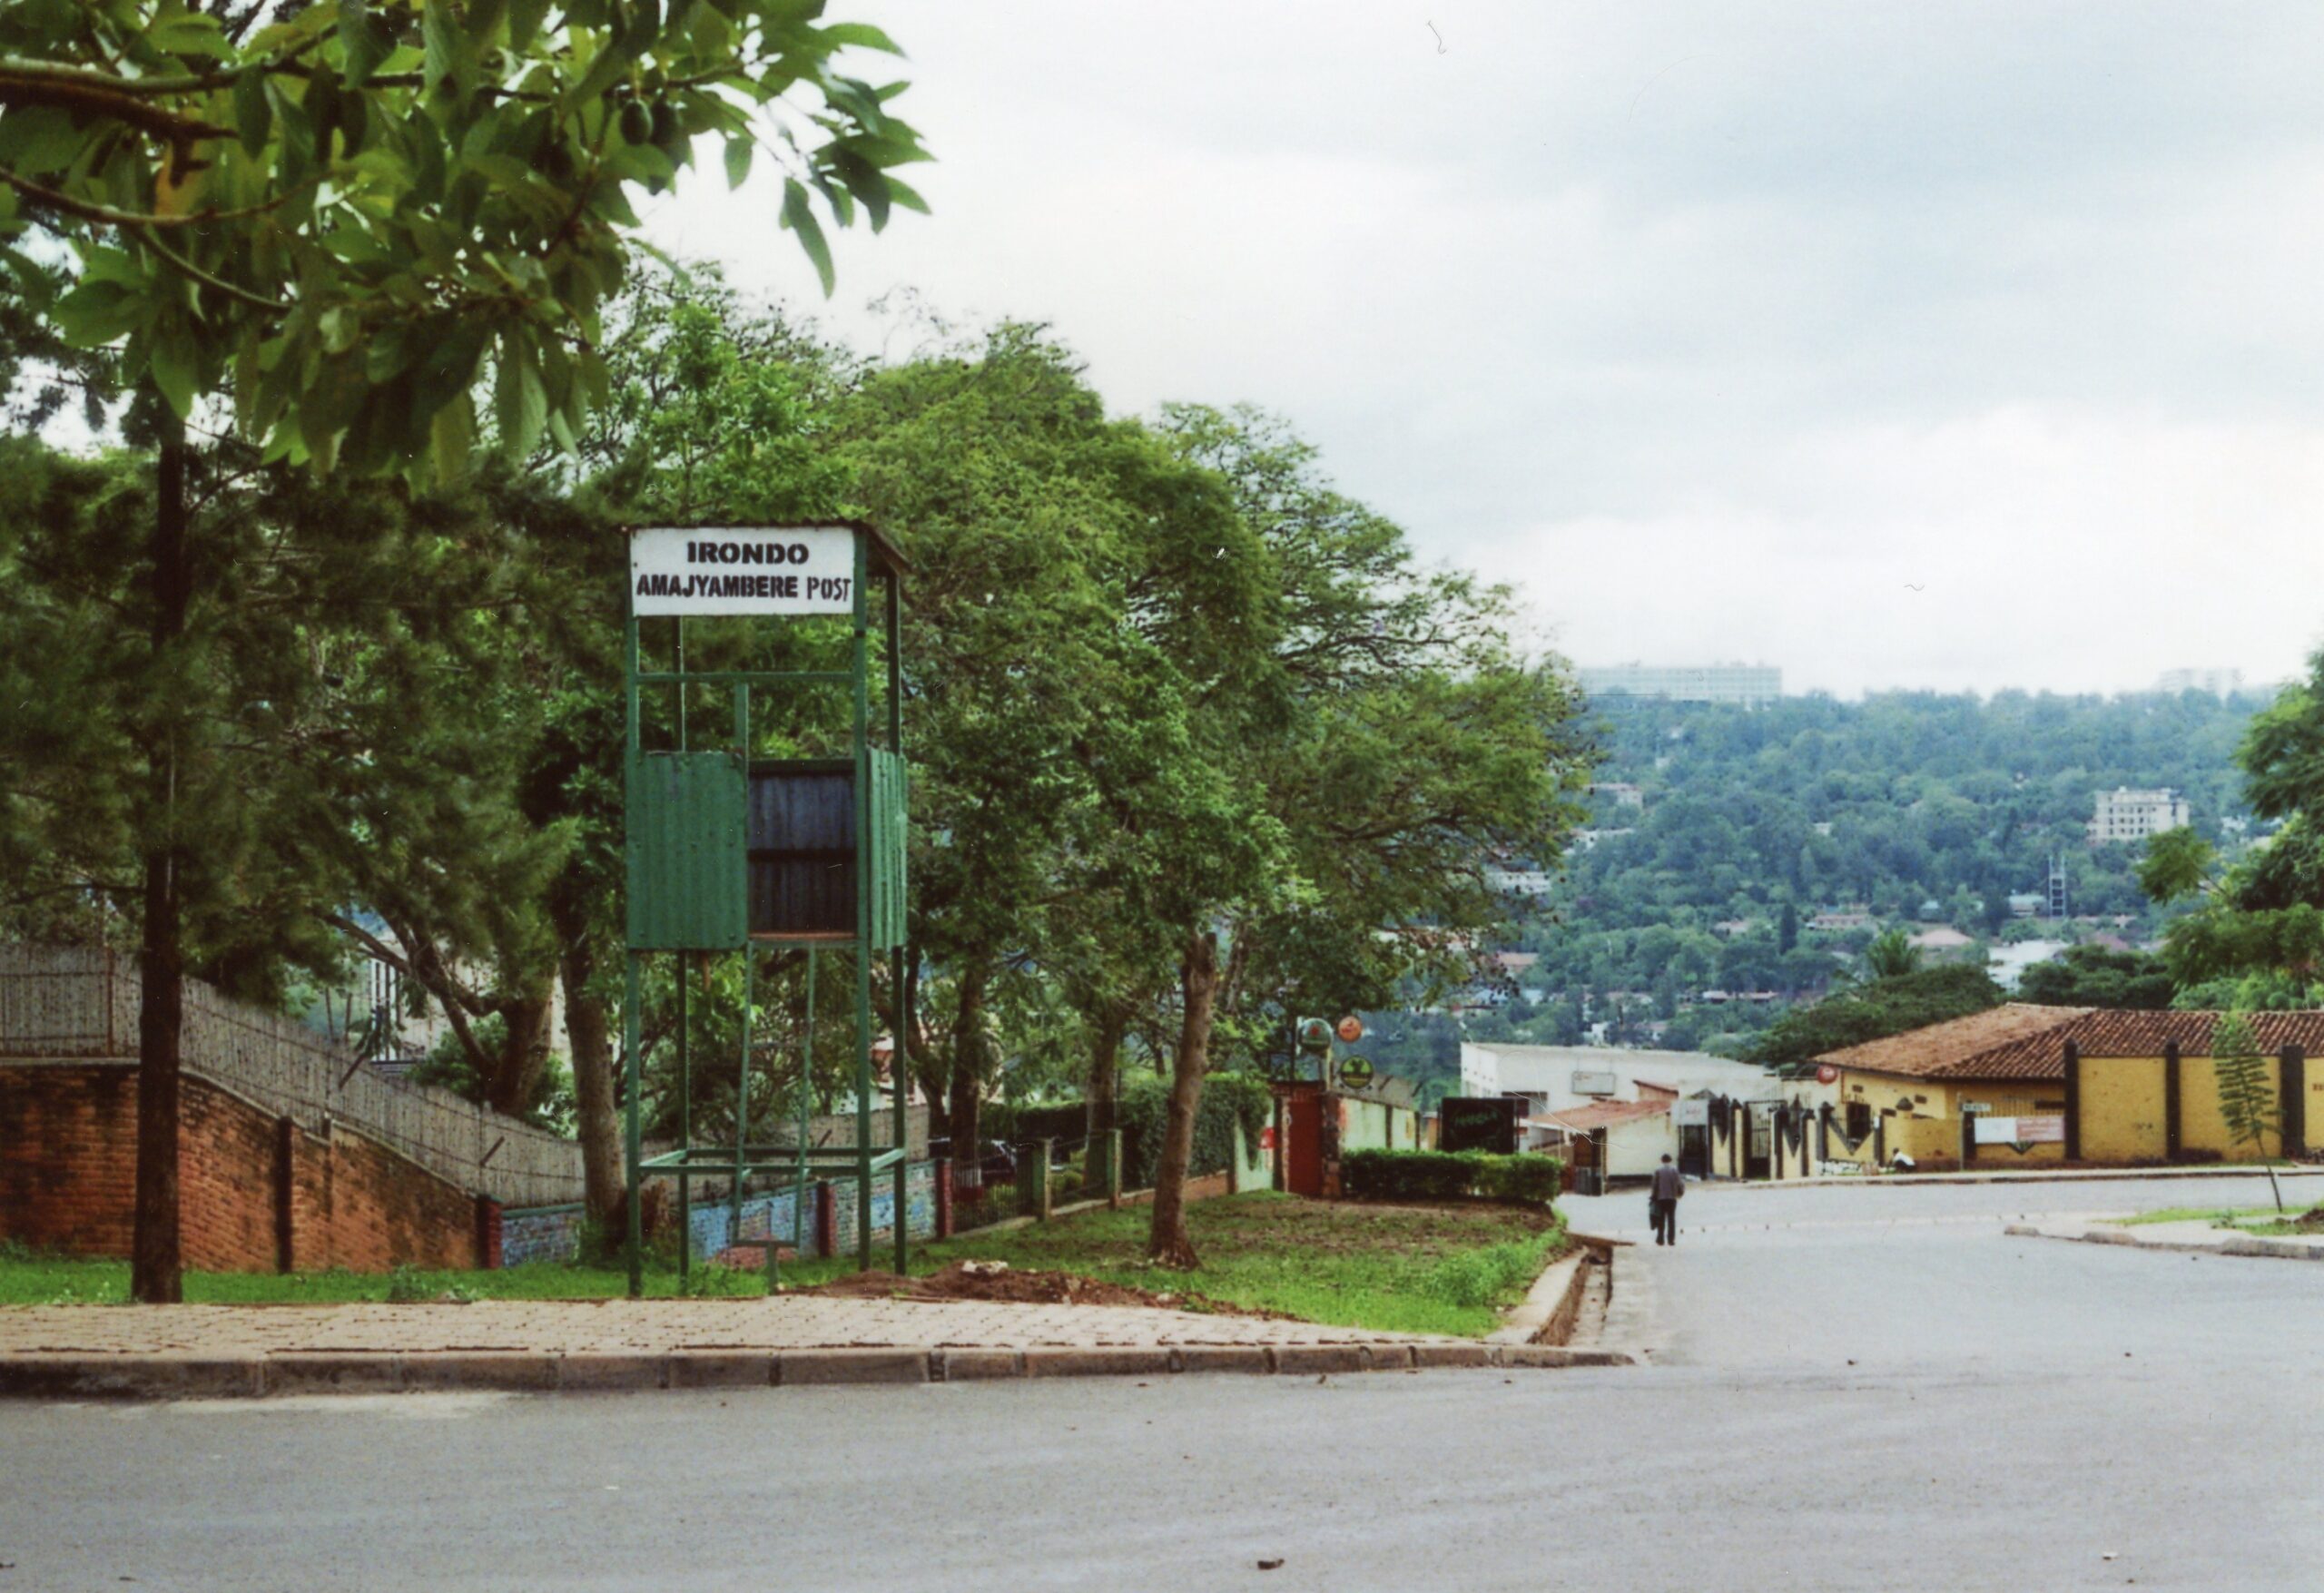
1849, 1389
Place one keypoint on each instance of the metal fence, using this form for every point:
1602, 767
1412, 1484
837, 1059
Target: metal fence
61, 1004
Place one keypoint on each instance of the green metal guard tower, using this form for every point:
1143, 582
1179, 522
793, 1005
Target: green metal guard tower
732, 854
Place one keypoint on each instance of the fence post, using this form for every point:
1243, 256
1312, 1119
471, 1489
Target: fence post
2072, 1147
2291, 1103
826, 1221
488, 1232
2171, 1121
1033, 1179
286, 1194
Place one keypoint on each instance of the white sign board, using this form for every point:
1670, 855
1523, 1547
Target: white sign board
739, 570
1591, 1081
2041, 1131
1690, 1114
1996, 1130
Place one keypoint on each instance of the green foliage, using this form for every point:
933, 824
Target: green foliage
1755, 819
2263, 913
1874, 1012
1425, 1175
2098, 976
2247, 1099
346, 217
1891, 954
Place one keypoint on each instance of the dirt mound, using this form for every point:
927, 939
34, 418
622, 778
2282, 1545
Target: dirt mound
2311, 1218
995, 1280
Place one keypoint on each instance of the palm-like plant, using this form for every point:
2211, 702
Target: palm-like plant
1892, 955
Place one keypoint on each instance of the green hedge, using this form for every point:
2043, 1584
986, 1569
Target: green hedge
1143, 1113
1423, 1175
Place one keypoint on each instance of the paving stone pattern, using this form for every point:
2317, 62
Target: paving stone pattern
650, 1326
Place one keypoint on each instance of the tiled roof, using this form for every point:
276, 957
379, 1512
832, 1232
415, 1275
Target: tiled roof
2012, 1041
2023, 1041
2143, 1034
1600, 1114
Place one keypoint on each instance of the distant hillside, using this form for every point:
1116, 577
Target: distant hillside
1920, 809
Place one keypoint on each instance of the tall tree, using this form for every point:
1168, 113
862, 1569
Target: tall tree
2263, 914
1376, 746
333, 216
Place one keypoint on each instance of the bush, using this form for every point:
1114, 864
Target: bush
1420, 1175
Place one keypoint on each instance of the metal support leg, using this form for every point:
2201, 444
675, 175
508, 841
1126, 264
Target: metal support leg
633, 1130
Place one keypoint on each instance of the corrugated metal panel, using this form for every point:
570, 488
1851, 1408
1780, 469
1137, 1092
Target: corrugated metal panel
802, 848
890, 824
687, 871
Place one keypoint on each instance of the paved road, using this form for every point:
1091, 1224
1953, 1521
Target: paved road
2017, 1410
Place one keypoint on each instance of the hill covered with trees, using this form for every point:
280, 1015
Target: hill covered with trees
1718, 835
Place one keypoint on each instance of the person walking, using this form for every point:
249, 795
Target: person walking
1662, 1202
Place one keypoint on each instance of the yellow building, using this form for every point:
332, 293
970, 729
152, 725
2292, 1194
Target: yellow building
2024, 1084
2143, 1087
1906, 1094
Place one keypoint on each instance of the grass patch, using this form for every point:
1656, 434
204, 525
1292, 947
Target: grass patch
1399, 1269
2264, 1220
1402, 1269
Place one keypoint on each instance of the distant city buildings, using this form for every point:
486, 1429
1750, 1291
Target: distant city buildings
1749, 684
1517, 881
2124, 814
1621, 793
2219, 683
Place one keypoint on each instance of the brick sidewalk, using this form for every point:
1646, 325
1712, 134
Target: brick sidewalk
214, 1350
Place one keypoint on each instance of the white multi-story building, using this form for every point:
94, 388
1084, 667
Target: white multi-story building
2219, 683
1747, 684
2124, 814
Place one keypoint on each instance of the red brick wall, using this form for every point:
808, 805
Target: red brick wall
64, 1184
68, 1157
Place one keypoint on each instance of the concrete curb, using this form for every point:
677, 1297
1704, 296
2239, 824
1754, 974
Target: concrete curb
2245, 1244
65, 1375
2062, 1175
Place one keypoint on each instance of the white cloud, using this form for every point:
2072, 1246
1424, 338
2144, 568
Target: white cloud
1705, 320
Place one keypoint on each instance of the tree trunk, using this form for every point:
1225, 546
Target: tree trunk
587, 1025
157, 1262
1168, 1243
517, 1073
964, 1114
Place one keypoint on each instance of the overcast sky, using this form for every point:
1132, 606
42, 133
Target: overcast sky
1917, 345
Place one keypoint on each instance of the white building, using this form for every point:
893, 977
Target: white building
1748, 683
1522, 881
2124, 814
2219, 683
1558, 1079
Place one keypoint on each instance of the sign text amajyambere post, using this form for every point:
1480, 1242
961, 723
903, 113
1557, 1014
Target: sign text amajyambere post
728, 854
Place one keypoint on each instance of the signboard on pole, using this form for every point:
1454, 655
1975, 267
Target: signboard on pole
1480, 1122
1997, 1131
2049, 1130
739, 570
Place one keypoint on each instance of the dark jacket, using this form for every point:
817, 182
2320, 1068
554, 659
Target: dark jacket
1667, 1184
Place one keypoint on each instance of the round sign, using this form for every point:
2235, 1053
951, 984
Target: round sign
1827, 1073
1351, 1028
1355, 1073
1314, 1035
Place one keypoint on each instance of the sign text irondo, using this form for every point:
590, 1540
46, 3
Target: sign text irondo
741, 570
